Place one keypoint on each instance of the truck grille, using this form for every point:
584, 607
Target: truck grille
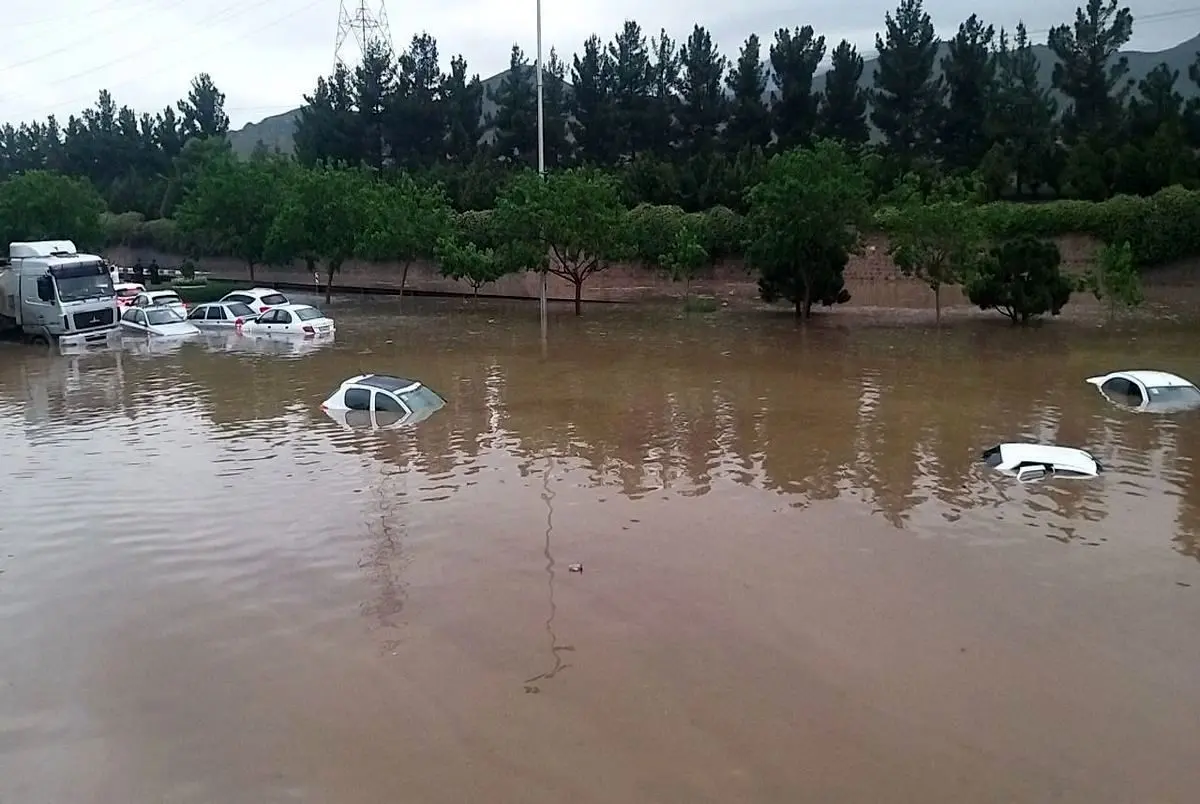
94, 319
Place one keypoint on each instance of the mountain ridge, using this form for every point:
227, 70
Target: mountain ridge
277, 131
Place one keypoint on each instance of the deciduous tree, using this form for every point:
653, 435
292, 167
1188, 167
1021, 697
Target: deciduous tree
233, 205
803, 224
403, 221
570, 224
41, 205
939, 242
321, 218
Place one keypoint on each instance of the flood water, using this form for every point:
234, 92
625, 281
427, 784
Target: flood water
799, 583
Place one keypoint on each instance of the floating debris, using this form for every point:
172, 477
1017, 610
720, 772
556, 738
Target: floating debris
574, 568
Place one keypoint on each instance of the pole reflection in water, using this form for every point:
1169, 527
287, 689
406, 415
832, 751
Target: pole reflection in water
557, 663
384, 559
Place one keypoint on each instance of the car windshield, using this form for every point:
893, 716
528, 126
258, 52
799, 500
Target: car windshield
1174, 395
309, 313
79, 282
163, 315
422, 399
273, 299
239, 310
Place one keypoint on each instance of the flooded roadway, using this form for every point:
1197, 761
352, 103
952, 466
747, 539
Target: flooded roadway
799, 584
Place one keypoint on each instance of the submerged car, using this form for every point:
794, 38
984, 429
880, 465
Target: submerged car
261, 299
380, 400
290, 319
221, 315
1032, 462
127, 291
149, 299
162, 321
1148, 391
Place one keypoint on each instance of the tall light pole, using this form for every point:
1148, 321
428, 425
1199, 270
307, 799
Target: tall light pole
541, 151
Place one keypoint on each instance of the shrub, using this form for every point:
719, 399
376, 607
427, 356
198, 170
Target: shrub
652, 230
1159, 228
122, 229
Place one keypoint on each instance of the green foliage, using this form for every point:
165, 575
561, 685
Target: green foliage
685, 256
463, 260
41, 205
939, 243
651, 230
403, 220
321, 218
231, 206
571, 223
1159, 229
1114, 278
1022, 280
804, 223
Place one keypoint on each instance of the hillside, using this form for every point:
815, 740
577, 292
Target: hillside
276, 131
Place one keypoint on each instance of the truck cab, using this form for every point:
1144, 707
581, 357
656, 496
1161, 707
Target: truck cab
50, 291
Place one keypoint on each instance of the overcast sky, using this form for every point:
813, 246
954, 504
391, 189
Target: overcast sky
264, 54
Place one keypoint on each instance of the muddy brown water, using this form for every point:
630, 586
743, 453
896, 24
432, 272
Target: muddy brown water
799, 584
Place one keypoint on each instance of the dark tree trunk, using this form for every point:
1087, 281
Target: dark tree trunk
403, 282
250, 264
578, 297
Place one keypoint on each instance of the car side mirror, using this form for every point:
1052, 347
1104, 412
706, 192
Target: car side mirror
45, 288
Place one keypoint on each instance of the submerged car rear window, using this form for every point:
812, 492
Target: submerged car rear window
272, 299
308, 313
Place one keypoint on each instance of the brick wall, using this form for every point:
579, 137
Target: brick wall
871, 277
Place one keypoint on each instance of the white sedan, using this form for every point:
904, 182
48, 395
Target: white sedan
221, 315
260, 299
290, 319
148, 299
162, 321
1148, 391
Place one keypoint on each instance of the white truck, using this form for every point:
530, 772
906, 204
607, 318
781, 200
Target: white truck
50, 292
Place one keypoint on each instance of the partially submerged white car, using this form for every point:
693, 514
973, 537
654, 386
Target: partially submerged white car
380, 400
1029, 463
160, 321
149, 299
290, 319
1148, 391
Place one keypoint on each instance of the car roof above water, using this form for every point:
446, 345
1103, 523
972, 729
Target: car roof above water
384, 382
1155, 379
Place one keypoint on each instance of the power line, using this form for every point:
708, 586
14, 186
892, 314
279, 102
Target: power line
1152, 18
274, 22
78, 45
113, 5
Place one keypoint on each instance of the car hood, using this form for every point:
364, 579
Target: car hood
178, 328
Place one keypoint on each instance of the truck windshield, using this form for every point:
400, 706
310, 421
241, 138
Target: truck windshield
85, 281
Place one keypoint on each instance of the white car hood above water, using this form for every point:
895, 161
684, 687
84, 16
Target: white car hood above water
174, 330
